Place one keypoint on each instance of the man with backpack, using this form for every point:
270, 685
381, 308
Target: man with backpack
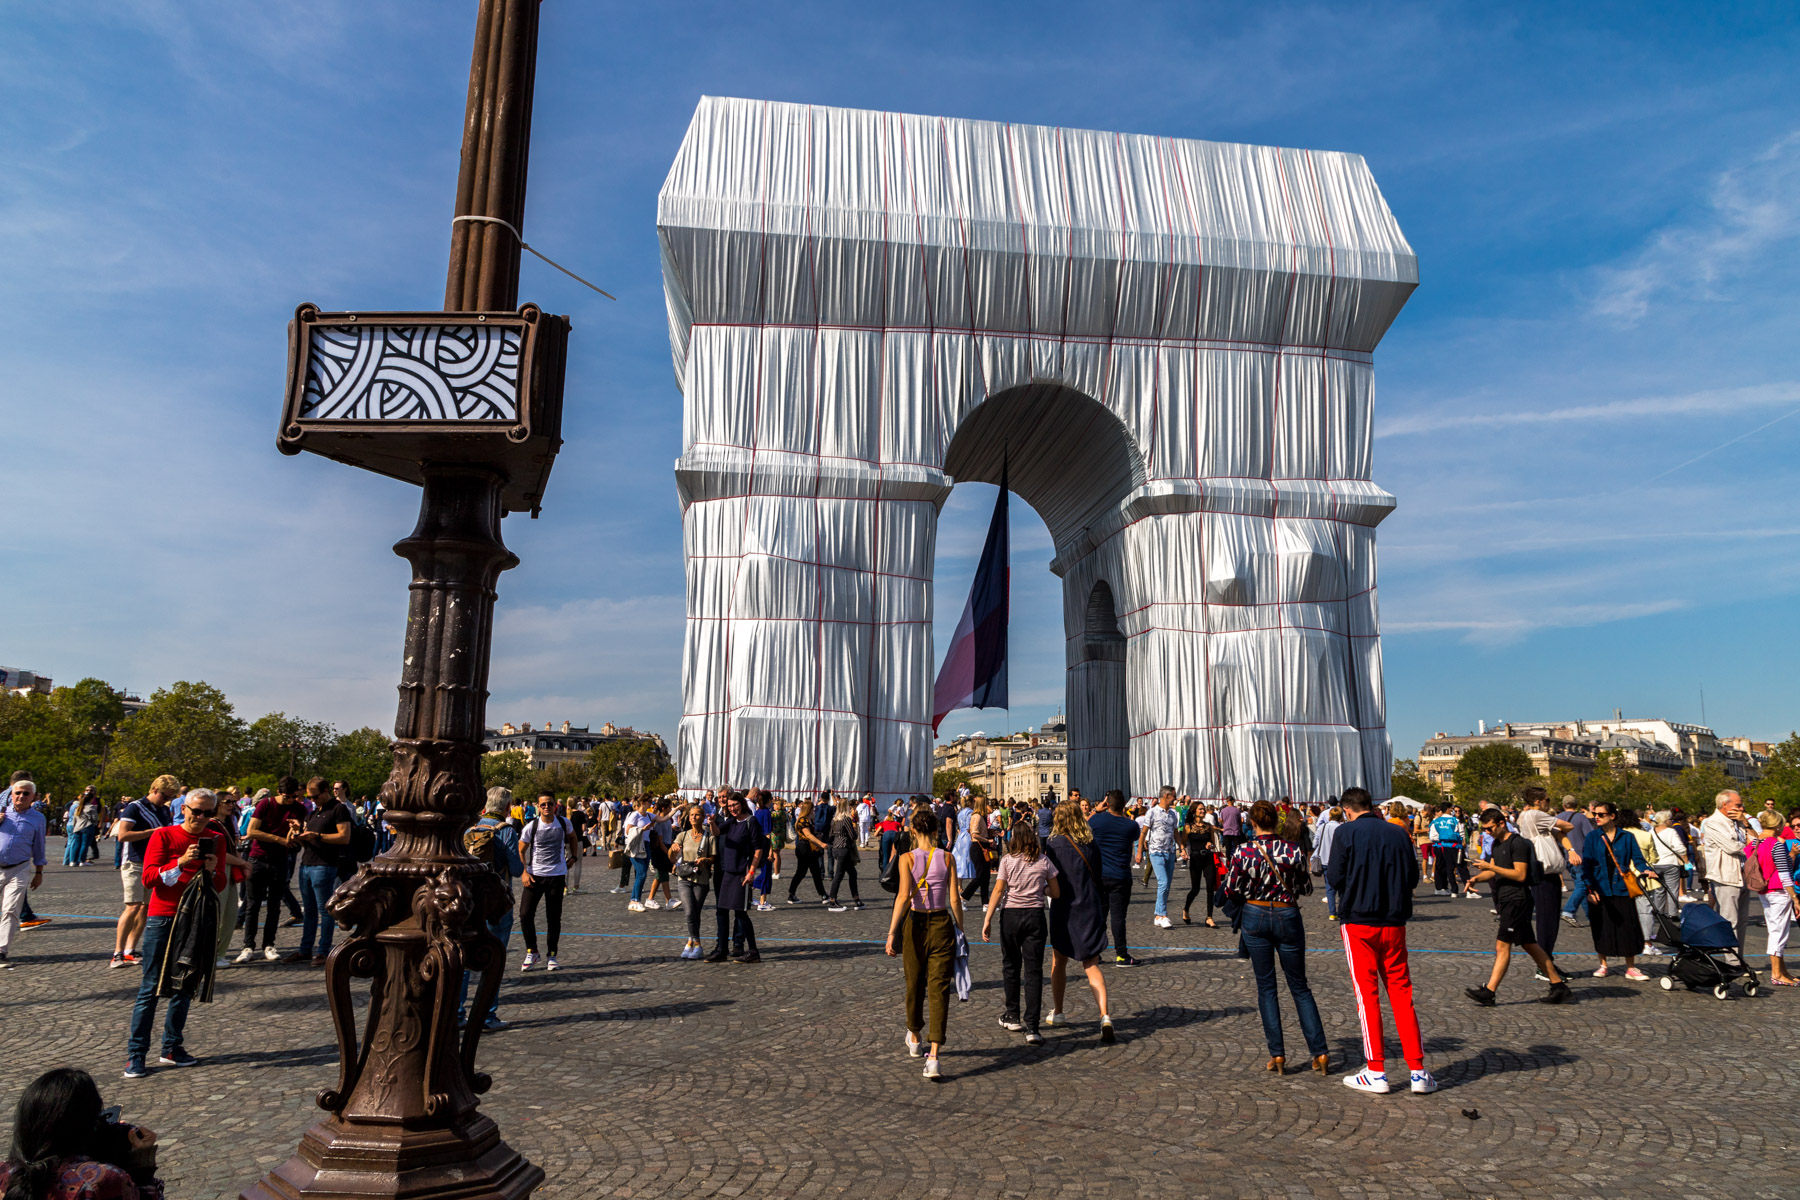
1514, 869
545, 845
494, 843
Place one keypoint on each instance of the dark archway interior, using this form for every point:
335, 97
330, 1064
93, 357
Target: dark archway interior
1104, 639
1066, 455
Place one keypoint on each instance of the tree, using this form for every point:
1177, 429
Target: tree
1492, 772
188, 730
507, 769
948, 780
565, 779
1781, 778
626, 765
363, 759
35, 736
276, 744
1409, 783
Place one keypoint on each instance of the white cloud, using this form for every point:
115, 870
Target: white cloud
1754, 207
1712, 402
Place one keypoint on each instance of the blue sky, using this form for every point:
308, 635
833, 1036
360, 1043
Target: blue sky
1589, 411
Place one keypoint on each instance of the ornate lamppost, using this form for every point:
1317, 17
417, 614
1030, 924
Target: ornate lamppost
467, 403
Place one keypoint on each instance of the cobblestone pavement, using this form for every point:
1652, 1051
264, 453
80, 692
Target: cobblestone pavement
632, 1073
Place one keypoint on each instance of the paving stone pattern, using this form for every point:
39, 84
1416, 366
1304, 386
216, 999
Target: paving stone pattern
631, 1073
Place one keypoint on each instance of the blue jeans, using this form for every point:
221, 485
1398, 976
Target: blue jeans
143, 1013
1575, 904
1276, 933
316, 886
1164, 866
640, 870
501, 927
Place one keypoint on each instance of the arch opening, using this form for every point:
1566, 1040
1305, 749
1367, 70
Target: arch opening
1065, 454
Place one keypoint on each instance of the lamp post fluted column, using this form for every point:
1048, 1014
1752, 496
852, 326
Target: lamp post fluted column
403, 1118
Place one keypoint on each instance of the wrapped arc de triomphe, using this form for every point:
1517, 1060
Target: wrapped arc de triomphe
1170, 344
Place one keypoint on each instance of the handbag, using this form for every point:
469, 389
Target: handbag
1549, 854
1633, 888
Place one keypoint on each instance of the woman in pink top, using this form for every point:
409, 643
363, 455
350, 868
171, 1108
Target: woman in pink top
1026, 879
927, 914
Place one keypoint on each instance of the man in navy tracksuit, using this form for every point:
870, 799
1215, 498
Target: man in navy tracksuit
1373, 870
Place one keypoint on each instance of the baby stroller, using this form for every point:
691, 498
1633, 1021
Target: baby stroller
1706, 953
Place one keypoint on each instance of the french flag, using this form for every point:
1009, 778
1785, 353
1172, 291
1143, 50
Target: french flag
974, 670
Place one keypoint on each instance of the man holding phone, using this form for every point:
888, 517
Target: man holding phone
274, 833
175, 856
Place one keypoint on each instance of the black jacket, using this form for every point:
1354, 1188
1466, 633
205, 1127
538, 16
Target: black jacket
1373, 870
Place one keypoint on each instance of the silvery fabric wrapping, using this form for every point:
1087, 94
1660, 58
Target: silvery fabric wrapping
1169, 340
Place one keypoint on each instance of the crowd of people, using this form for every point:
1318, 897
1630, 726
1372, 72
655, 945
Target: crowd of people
1055, 877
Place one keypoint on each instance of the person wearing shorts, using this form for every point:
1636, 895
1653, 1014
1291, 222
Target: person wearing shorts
1508, 866
138, 819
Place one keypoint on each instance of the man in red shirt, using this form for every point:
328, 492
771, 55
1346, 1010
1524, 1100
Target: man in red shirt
174, 858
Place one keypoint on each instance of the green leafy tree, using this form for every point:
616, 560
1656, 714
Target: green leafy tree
1781, 778
277, 741
1491, 772
188, 730
363, 759
1408, 782
626, 766
565, 779
507, 769
948, 780
1693, 790
1615, 782
35, 736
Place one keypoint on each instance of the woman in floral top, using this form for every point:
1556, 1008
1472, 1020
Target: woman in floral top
1268, 874
64, 1148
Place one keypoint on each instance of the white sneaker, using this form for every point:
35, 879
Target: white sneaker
550, 964
1367, 1081
530, 961
245, 955
1423, 1084
271, 954
914, 1047
1056, 1018
931, 1069
653, 904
